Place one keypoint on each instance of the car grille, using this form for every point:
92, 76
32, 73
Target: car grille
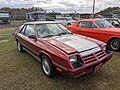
94, 57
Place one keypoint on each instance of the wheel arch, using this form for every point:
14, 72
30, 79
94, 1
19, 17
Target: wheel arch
16, 39
46, 54
111, 38
68, 23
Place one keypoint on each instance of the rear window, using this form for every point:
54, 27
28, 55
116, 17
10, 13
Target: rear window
4, 14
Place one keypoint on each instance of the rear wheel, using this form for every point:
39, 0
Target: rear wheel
19, 47
115, 44
47, 67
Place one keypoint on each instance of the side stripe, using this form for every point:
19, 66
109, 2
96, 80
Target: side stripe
59, 66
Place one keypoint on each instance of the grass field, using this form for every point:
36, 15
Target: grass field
18, 22
7, 30
20, 71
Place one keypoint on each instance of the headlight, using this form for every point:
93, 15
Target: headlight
76, 61
73, 59
104, 47
107, 49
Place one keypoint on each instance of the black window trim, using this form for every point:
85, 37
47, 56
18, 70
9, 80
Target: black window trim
22, 29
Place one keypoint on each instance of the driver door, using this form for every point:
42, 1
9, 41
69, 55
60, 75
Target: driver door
28, 43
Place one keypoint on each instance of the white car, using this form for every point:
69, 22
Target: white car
65, 20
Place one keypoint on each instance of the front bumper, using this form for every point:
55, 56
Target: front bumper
74, 73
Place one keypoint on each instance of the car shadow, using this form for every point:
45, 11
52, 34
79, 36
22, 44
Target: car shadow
86, 82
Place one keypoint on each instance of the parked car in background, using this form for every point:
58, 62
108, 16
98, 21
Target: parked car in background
4, 16
96, 16
58, 49
114, 21
38, 16
65, 20
119, 20
99, 29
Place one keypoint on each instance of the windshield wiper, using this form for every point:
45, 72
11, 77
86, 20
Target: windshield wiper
62, 33
48, 36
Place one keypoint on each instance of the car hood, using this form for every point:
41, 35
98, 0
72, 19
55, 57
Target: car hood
71, 43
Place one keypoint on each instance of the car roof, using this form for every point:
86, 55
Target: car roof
92, 19
42, 22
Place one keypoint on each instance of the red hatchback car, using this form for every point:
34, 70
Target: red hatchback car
58, 49
99, 29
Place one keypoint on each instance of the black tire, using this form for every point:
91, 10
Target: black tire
68, 24
5, 21
19, 47
47, 69
115, 44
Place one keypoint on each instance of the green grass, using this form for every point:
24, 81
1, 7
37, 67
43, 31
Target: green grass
7, 30
18, 22
20, 71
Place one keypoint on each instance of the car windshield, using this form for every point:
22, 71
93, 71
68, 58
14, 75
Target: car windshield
42, 17
48, 30
115, 21
103, 24
39, 17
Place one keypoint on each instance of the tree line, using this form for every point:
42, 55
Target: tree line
109, 10
20, 13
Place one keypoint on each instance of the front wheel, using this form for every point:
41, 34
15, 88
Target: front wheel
47, 67
19, 47
115, 44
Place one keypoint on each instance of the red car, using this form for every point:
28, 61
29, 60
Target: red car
99, 29
58, 49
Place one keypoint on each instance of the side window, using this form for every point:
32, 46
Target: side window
85, 24
22, 29
29, 30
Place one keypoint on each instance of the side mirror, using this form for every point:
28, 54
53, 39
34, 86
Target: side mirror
32, 36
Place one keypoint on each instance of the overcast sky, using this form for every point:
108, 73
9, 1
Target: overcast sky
82, 6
